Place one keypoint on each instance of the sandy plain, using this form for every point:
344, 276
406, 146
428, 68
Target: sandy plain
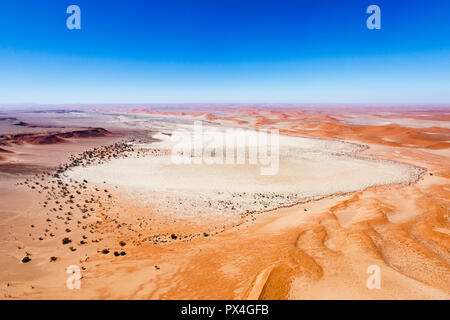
308, 233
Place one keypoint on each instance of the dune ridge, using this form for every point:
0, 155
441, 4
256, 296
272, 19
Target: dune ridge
317, 249
50, 137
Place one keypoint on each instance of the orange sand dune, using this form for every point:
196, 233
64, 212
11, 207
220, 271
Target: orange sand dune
370, 228
388, 135
325, 125
315, 250
441, 115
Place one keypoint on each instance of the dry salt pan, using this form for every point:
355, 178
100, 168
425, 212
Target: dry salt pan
308, 169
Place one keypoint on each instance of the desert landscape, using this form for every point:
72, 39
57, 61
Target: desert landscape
95, 186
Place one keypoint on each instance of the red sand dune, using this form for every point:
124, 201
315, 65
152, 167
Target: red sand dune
50, 137
5, 151
324, 124
8, 119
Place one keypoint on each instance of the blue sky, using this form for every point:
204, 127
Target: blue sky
224, 51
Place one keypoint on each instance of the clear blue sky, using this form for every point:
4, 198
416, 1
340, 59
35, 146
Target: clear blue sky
316, 51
